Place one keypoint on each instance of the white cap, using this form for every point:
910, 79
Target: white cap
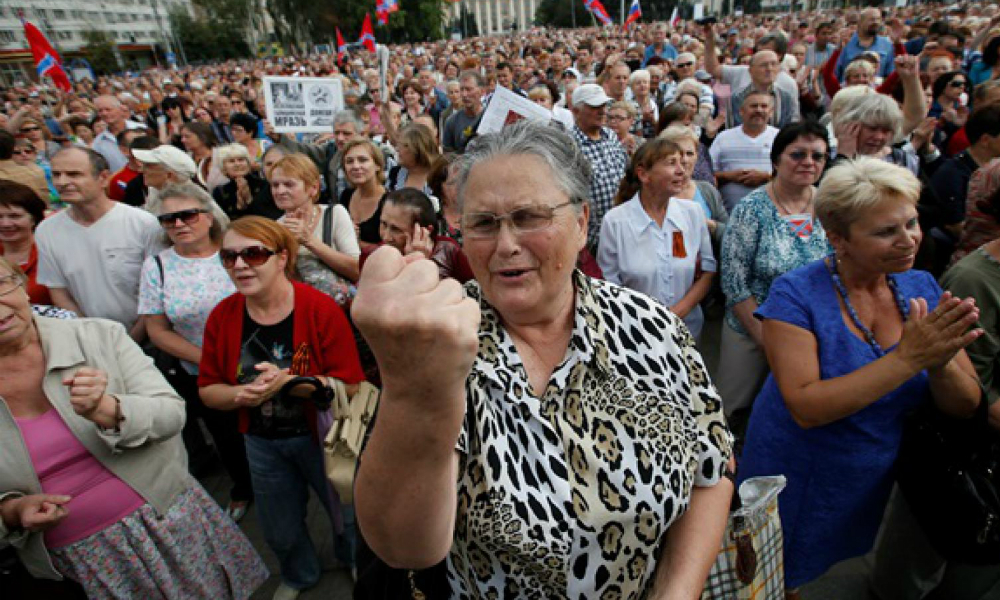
590, 94
171, 157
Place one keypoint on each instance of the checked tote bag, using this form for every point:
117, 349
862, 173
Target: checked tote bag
750, 565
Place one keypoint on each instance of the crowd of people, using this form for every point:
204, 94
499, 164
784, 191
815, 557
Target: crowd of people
534, 303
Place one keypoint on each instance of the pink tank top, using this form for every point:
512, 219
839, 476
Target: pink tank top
65, 466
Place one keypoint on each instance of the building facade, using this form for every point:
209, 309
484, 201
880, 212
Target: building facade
497, 16
139, 29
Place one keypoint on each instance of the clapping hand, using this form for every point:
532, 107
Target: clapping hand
932, 338
299, 223
243, 195
921, 136
907, 66
268, 383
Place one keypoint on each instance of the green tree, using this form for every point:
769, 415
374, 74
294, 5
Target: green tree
100, 51
302, 23
222, 34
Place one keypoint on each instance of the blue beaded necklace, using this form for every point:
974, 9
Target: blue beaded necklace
901, 304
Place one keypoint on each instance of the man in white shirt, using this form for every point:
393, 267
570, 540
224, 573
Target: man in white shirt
741, 157
90, 255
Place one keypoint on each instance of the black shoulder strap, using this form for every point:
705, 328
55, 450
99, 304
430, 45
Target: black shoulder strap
328, 225
159, 265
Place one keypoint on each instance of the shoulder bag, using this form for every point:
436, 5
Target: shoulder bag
948, 470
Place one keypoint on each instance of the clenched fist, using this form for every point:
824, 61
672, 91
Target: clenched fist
422, 329
86, 390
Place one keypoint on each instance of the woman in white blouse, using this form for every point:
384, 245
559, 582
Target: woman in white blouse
654, 242
328, 250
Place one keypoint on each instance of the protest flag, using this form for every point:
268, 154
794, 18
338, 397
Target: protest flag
47, 61
367, 38
675, 18
341, 47
634, 13
597, 9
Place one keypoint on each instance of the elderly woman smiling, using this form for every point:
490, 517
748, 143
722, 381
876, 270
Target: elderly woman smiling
855, 341
602, 450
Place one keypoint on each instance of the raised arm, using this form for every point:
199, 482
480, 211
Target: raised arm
406, 487
712, 64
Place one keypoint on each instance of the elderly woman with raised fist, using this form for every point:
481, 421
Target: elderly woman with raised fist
93, 477
575, 412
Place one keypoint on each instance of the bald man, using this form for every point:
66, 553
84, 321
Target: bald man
867, 39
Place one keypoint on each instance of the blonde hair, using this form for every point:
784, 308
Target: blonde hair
14, 270
625, 105
868, 108
854, 187
422, 143
678, 134
373, 151
859, 65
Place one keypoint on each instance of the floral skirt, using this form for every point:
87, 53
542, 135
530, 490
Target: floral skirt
194, 552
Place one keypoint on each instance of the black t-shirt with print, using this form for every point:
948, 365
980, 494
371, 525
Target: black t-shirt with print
273, 344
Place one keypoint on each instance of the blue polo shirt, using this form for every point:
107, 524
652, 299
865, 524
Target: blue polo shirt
881, 45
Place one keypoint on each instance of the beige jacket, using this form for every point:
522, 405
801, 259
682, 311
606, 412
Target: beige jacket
147, 454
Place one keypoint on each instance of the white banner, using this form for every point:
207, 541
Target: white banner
506, 108
302, 104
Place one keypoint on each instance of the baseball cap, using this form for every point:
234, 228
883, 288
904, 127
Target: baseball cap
572, 71
590, 94
171, 157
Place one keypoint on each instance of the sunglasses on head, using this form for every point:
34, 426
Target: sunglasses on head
253, 256
188, 217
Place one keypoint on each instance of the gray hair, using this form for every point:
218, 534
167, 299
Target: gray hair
638, 74
569, 167
190, 191
869, 108
224, 153
854, 187
348, 116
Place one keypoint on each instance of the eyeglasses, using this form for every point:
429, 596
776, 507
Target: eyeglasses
801, 155
253, 256
961, 84
22, 151
30, 129
188, 217
522, 220
682, 65
617, 118
9, 283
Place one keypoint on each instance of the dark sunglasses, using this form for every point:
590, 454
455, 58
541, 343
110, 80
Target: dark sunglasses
188, 216
30, 129
961, 84
253, 256
800, 155
682, 65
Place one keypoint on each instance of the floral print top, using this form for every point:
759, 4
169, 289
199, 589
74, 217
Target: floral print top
568, 493
194, 286
758, 247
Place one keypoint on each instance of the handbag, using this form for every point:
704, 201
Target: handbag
343, 443
948, 469
319, 275
750, 564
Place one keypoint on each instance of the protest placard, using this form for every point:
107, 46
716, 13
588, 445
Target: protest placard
506, 108
302, 104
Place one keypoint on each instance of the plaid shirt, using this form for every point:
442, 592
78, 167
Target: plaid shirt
607, 159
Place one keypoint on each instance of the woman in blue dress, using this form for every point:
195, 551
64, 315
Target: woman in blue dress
854, 341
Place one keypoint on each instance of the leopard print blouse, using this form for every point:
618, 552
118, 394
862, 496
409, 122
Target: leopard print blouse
569, 495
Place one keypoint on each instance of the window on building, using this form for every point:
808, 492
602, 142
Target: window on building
3, 12
7, 36
58, 14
